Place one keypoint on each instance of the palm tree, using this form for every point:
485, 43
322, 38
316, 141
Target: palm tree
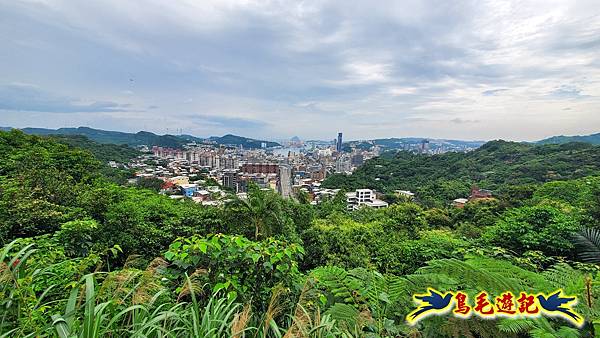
261, 207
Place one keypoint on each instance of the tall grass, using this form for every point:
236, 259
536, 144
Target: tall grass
126, 303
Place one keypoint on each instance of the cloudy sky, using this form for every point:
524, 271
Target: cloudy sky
519, 70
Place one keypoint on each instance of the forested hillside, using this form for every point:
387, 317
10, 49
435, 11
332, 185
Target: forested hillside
104, 152
593, 139
245, 142
505, 167
85, 257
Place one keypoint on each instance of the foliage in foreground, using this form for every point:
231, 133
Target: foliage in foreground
164, 301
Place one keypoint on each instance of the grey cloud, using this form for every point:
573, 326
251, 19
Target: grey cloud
459, 120
568, 92
228, 122
456, 120
23, 97
493, 92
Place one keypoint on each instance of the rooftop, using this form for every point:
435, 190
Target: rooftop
364, 190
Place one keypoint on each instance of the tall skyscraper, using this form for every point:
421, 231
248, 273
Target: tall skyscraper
338, 145
424, 146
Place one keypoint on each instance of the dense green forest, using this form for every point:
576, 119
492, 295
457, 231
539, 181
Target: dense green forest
84, 256
509, 169
104, 152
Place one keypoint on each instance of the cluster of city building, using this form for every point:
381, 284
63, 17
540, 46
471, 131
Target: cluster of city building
205, 172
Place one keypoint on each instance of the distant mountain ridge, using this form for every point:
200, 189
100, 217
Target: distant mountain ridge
146, 138
593, 139
177, 141
249, 143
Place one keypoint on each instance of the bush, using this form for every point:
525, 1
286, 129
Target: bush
77, 237
237, 265
543, 228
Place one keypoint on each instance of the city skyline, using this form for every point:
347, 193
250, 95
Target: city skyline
466, 70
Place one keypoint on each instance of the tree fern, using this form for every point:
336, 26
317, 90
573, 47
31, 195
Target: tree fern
334, 281
587, 244
345, 314
565, 277
472, 275
515, 326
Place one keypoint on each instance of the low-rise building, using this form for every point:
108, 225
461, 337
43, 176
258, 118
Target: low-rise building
188, 190
477, 193
405, 193
364, 197
460, 202
180, 180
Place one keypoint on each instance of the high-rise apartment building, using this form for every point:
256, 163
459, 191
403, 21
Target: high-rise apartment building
230, 179
285, 180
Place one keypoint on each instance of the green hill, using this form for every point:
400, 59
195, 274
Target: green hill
497, 165
593, 139
247, 143
104, 152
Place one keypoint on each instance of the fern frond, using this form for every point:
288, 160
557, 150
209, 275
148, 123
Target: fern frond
515, 326
344, 314
564, 276
587, 244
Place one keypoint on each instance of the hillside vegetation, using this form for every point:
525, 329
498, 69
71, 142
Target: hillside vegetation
245, 142
498, 165
104, 152
82, 256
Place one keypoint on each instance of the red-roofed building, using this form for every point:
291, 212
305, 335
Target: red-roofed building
477, 193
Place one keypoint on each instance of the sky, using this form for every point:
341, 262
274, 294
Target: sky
472, 70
